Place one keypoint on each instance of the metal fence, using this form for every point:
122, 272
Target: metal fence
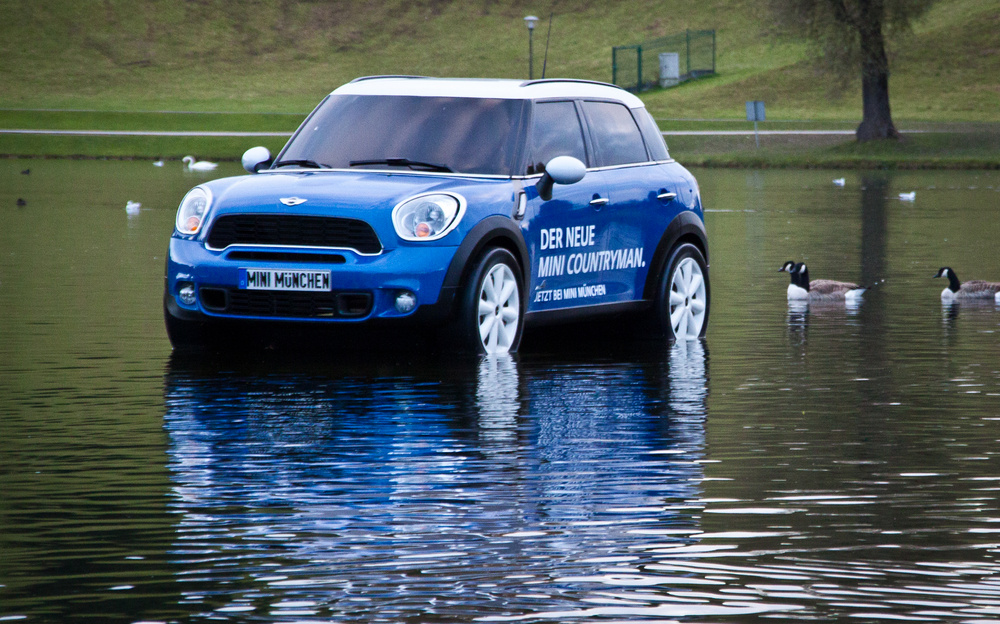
637, 67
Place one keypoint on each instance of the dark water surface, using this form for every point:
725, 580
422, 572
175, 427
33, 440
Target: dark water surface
818, 464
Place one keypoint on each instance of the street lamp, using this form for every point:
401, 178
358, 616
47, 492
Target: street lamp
530, 23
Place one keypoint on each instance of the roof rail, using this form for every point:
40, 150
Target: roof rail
363, 78
528, 83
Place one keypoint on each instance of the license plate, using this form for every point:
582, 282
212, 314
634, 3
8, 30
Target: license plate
284, 279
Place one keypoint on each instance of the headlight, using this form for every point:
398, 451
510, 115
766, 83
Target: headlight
428, 217
193, 208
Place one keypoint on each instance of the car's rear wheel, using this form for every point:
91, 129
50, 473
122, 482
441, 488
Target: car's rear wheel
682, 296
491, 312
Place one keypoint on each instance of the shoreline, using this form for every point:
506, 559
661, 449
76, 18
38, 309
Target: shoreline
801, 148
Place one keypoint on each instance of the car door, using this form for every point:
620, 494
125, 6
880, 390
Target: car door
634, 216
564, 232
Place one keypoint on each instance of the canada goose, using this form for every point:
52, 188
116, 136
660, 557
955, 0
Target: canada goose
818, 290
972, 289
200, 165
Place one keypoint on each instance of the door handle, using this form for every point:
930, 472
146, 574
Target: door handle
666, 196
598, 201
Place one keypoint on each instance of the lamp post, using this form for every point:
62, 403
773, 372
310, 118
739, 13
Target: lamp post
529, 21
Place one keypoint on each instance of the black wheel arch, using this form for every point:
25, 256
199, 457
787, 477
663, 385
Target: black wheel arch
686, 227
493, 231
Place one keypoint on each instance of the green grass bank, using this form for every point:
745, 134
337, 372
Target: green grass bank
218, 66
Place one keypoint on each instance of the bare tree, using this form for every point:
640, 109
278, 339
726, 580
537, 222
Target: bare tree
851, 35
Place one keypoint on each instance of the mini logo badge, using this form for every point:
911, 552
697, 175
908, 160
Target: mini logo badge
292, 201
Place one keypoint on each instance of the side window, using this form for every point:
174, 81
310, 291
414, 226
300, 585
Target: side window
617, 138
555, 131
651, 132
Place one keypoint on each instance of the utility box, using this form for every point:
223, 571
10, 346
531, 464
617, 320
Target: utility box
755, 111
670, 69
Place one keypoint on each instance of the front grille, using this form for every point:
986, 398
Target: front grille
294, 231
286, 256
287, 304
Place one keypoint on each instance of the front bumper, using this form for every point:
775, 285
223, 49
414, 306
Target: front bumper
364, 288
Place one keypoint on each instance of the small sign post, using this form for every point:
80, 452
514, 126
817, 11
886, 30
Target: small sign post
755, 113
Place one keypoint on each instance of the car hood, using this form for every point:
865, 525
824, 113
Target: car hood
365, 195
329, 192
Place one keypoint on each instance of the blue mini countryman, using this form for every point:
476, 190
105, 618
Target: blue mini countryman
469, 208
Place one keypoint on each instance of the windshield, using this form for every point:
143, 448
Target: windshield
464, 135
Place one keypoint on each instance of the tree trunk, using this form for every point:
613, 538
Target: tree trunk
876, 120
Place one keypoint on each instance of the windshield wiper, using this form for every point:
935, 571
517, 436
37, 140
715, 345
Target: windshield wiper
300, 163
403, 162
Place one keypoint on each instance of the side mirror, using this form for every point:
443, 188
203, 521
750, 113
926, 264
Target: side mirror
562, 170
256, 158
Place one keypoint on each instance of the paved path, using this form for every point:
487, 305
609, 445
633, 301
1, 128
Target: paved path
751, 132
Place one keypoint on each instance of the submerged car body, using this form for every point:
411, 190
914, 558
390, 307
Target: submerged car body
473, 207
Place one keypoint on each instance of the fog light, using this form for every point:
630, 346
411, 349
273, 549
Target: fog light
405, 302
186, 293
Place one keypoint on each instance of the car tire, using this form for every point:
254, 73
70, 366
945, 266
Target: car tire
683, 295
491, 310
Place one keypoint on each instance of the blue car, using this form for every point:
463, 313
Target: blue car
466, 208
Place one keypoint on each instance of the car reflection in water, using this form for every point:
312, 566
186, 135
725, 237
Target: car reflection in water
449, 489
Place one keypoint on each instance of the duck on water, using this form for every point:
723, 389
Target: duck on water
802, 289
972, 289
198, 165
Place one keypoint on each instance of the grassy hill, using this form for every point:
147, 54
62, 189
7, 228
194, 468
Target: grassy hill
282, 56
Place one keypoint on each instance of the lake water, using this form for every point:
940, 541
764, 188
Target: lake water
818, 464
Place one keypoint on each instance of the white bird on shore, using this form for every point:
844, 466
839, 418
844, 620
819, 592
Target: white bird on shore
158, 163
839, 182
132, 208
912, 195
199, 165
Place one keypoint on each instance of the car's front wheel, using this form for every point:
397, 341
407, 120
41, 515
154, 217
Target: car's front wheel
682, 297
491, 312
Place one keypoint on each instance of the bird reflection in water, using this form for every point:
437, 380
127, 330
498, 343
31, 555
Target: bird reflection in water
800, 313
978, 309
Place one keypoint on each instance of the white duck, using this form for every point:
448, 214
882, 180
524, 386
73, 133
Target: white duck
198, 165
801, 289
972, 289
839, 182
911, 196
132, 208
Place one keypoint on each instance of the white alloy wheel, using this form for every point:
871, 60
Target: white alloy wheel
499, 309
688, 296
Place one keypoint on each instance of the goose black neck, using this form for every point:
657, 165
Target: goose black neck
803, 276
953, 283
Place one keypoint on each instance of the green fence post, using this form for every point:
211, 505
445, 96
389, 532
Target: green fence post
713, 52
638, 71
687, 32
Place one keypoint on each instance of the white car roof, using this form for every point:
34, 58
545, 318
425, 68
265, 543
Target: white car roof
487, 88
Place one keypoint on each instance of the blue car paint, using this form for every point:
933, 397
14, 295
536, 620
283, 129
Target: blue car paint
364, 195
583, 254
631, 226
